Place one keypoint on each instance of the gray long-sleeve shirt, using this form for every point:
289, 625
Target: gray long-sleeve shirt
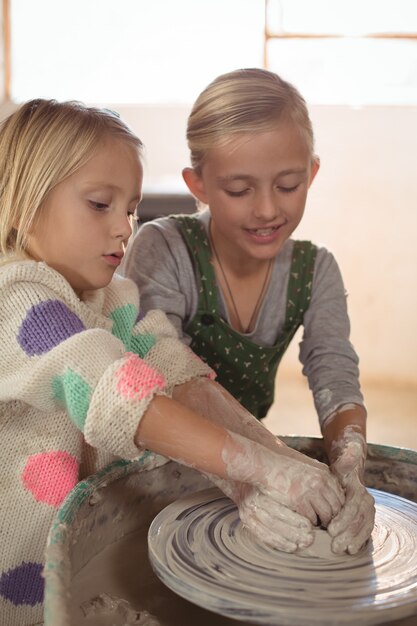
159, 261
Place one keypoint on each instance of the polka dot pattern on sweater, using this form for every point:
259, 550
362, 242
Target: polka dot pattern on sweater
141, 344
137, 380
50, 476
124, 318
23, 585
46, 325
74, 393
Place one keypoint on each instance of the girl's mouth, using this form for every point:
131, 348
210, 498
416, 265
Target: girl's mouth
114, 259
266, 235
263, 232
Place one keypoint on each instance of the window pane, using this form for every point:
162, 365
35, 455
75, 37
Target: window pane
161, 51
354, 17
131, 50
348, 71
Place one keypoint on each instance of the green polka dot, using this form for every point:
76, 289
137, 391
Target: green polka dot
124, 319
141, 344
74, 393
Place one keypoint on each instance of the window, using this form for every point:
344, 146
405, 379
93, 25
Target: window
166, 51
354, 52
147, 51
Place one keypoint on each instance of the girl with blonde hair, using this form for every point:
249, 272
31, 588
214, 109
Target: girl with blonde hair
237, 286
85, 376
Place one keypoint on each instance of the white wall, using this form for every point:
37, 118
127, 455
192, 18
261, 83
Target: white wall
363, 205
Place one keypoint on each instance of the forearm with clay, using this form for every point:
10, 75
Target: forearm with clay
345, 441
216, 404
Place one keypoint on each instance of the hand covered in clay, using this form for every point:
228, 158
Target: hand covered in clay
352, 527
284, 492
270, 521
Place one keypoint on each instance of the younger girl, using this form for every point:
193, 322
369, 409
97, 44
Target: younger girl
84, 377
237, 286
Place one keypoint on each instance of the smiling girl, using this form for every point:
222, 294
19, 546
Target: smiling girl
237, 286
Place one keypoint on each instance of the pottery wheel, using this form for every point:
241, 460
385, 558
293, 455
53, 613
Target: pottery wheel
199, 549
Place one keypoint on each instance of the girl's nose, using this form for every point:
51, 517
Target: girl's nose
122, 227
266, 206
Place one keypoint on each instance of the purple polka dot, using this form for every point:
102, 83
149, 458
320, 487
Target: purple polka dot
23, 584
47, 325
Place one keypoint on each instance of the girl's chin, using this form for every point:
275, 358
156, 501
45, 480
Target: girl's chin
91, 286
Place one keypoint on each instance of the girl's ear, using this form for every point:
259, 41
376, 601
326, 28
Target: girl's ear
315, 166
195, 184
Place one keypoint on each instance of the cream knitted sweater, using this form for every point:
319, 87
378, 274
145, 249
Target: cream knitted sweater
75, 378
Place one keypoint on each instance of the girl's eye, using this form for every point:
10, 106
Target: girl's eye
98, 206
288, 189
236, 194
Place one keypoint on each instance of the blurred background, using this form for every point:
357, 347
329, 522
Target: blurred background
355, 63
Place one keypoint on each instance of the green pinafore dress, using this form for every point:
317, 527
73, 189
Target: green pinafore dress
246, 369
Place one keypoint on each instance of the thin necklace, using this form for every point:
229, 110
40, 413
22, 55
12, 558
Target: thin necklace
232, 300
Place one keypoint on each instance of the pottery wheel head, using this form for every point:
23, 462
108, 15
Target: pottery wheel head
199, 549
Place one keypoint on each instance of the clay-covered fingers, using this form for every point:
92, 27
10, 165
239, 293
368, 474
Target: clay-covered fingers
348, 515
275, 524
316, 493
352, 527
318, 508
328, 499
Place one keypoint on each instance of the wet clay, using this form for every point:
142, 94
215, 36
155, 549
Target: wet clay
99, 572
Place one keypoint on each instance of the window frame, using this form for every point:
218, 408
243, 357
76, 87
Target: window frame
269, 35
7, 44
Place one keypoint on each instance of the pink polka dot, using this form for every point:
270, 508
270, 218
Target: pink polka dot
137, 380
50, 476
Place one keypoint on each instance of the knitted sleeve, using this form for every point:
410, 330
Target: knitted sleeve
167, 354
156, 363
153, 337
56, 355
